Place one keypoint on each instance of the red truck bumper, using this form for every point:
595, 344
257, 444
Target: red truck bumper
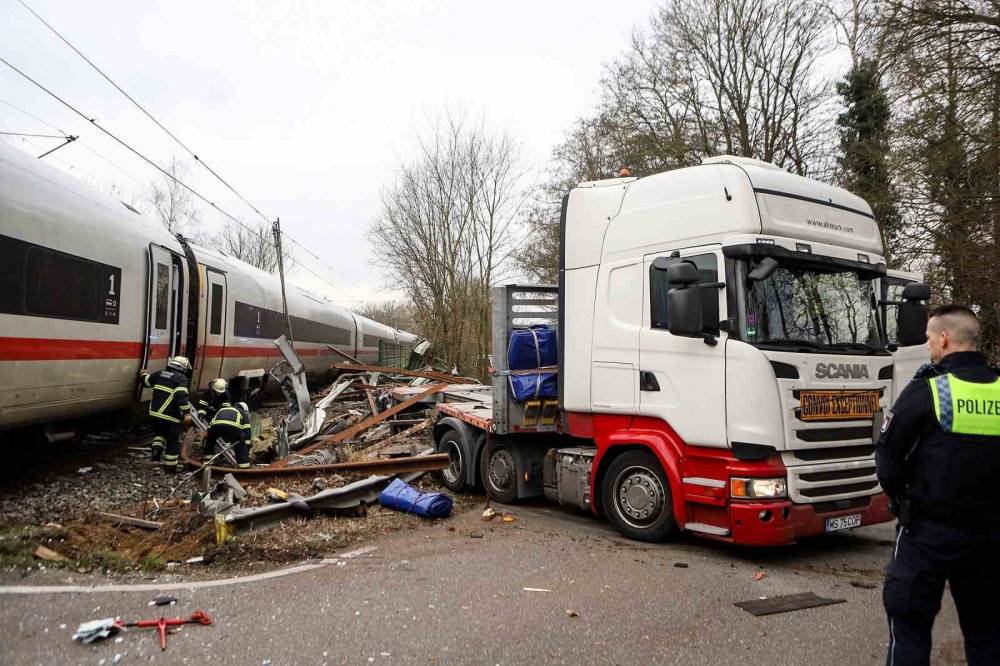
787, 523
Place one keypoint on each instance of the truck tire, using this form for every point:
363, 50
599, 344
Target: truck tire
499, 471
637, 499
453, 477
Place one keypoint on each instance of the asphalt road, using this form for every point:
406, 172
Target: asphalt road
435, 595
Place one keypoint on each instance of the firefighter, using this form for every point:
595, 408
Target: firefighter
938, 458
231, 426
218, 396
168, 408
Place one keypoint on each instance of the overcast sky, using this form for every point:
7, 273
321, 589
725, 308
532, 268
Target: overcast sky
307, 108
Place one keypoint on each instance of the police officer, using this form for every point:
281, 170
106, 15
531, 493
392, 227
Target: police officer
938, 459
218, 396
168, 408
231, 425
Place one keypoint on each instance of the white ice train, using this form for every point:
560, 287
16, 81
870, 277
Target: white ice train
91, 292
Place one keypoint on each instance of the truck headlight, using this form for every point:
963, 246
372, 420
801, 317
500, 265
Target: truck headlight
742, 488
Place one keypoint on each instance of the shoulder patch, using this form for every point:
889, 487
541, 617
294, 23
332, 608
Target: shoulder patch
927, 370
886, 419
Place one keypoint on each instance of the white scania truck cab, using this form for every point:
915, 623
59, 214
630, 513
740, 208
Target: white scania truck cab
722, 359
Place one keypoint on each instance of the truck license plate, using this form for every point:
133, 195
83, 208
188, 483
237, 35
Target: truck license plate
843, 522
837, 405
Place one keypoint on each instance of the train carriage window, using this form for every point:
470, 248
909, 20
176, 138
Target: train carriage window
36, 281
162, 295
251, 321
216, 328
60, 285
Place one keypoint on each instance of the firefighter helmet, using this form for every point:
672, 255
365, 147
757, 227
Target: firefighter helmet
219, 385
179, 363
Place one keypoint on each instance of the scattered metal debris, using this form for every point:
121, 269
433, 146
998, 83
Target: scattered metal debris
304, 420
332, 500
785, 603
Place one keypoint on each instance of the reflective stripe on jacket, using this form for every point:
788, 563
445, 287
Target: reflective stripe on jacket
170, 394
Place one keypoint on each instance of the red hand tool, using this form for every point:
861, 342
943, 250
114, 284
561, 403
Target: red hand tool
198, 617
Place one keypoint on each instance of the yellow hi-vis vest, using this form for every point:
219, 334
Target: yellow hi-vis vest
966, 408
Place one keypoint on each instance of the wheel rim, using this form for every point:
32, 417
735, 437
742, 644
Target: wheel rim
639, 496
453, 472
501, 470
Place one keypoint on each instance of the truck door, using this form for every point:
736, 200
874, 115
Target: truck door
214, 332
905, 360
161, 332
681, 379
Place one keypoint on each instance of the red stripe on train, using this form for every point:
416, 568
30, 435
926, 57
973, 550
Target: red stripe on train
47, 349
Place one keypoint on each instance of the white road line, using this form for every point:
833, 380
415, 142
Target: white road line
193, 585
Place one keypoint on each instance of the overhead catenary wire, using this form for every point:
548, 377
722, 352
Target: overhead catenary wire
93, 121
80, 143
36, 136
181, 143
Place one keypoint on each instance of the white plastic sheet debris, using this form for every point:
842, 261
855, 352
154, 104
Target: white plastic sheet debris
96, 630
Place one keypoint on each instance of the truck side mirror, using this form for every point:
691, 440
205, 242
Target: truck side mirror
911, 317
683, 273
684, 306
917, 291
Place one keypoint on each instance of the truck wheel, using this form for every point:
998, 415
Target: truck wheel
636, 497
453, 476
499, 472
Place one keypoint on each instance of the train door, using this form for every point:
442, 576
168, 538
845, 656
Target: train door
215, 325
162, 337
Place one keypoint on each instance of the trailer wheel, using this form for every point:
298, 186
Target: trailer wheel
637, 499
453, 476
499, 472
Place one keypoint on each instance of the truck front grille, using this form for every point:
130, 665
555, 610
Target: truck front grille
831, 481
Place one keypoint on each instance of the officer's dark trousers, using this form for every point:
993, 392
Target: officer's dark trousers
927, 555
166, 435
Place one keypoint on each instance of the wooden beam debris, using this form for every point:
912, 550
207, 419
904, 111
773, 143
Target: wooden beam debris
129, 520
353, 431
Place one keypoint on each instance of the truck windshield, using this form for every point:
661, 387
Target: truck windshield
810, 307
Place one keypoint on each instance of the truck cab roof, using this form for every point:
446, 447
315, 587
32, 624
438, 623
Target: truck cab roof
725, 200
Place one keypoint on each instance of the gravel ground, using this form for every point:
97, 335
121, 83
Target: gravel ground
52, 502
50, 485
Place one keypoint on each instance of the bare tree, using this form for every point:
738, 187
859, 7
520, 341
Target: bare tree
445, 233
171, 202
253, 244
706, 77
944, 58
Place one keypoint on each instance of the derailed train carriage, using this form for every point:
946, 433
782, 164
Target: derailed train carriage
91, 292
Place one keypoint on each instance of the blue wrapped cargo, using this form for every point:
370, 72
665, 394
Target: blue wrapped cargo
402, 496
534, 347
534, 386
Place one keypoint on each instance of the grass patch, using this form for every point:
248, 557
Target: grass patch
152, 563
105, 560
